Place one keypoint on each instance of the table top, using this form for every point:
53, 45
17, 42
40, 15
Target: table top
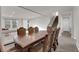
27, 40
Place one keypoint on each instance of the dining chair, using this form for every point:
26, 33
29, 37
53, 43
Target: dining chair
50, 35
36, 29
53, 35
30, 30
47, 44
55, 23
21, 31
54, 38
57, 34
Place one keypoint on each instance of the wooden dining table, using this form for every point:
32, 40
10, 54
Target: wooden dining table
30, 40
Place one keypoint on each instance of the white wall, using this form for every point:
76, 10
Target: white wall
66, 21
76, 24
2, 23
41, 22
0, 16
0, 26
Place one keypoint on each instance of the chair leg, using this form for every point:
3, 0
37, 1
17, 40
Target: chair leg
49, 50
57, 42
54, 47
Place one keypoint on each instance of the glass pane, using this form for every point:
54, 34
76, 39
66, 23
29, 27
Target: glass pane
14, 23
7, 24
25, 23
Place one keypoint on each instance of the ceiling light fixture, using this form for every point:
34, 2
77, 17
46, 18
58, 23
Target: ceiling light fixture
57, 13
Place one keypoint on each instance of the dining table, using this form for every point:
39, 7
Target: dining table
30, 40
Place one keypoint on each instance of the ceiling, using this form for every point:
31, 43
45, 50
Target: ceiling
32, 11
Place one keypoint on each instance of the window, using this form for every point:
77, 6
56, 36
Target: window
25, 23
14, 24
10, 23
7, 24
